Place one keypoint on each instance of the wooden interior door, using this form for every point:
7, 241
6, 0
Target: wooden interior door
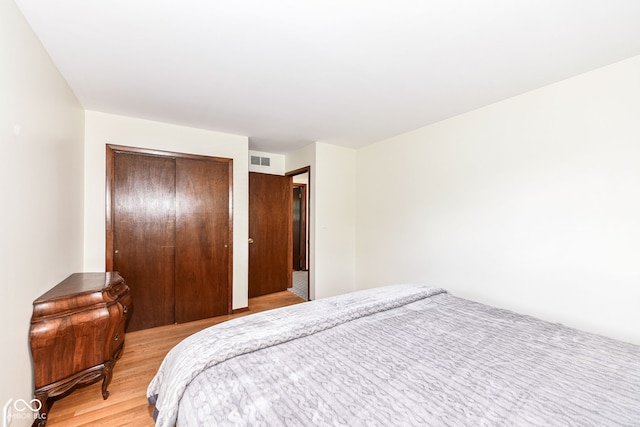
203, 238
143, 216
270, 231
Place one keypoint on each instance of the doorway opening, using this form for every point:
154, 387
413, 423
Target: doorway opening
300, 283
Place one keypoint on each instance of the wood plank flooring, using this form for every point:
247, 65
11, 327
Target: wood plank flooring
143, 352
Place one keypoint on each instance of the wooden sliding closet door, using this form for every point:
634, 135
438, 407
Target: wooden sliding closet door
169, 233
143, 235
203, 239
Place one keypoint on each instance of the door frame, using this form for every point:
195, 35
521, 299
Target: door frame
109, 188
310, 248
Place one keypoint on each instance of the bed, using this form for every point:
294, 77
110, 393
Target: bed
397, 355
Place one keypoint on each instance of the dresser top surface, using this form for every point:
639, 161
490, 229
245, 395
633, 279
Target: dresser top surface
81, 283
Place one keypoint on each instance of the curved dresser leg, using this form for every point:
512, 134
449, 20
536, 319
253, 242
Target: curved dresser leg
108, 374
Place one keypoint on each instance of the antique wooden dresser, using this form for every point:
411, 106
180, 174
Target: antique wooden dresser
77, 334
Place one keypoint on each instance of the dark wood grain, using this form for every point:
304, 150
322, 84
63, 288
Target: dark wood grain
169, 226
77, 334
270, 228
144, 227
203, 239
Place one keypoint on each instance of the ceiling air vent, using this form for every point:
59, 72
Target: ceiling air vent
255, 160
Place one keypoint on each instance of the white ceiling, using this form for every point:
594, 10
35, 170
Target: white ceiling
347, 72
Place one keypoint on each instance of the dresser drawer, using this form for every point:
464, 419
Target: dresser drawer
118, 339
125, 303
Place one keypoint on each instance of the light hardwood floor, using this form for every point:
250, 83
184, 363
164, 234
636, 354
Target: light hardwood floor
144, 350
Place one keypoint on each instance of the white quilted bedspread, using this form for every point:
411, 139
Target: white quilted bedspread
401, 355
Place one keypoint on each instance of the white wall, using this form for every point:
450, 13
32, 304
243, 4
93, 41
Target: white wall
530, 204
103, 129
335, 187
41, 181
301, 179
332, 210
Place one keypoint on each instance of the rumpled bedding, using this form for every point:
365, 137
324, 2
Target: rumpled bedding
400, 355
243, 335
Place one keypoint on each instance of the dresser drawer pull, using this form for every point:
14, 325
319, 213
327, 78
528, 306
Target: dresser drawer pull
116, 338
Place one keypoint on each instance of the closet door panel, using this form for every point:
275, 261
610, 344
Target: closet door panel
144, 235
203, 238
